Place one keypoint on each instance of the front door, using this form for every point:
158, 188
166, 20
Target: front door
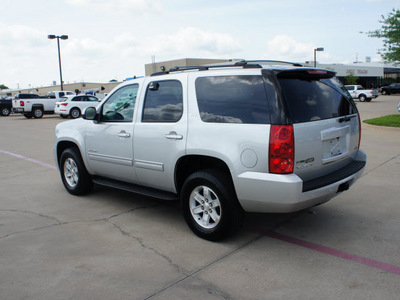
109, 142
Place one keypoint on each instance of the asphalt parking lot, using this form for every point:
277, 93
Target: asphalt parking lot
115, 245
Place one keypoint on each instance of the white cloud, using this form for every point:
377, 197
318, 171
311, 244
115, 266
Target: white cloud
190, 42
118, 6
284, 47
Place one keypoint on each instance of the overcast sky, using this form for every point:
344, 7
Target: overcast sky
113, 39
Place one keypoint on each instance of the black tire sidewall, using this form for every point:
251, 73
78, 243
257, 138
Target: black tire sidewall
231, 212
85, 183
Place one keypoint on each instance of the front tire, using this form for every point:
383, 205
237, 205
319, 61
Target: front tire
74, 175
210, 206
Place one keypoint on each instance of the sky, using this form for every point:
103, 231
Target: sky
114, 39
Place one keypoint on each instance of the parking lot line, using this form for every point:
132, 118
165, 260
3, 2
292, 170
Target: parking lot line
29, 159
331, 251
291, 240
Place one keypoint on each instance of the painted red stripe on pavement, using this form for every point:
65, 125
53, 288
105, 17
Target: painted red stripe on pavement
334, 252
29, 159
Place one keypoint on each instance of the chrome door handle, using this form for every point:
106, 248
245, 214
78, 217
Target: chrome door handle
124, 134
174, 136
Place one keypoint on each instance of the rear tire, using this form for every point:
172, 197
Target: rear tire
74, 175
75, 113
210, 206
37, 112
5, 111
362, 98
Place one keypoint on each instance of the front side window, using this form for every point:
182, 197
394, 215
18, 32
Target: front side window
164, 102
120, 106
232, 99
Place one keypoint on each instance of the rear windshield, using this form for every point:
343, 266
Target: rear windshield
313, 100
232, 99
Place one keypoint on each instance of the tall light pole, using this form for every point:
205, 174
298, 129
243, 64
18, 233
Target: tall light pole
315, 55
58, 37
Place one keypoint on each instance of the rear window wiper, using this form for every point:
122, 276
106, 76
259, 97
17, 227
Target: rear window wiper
346, 119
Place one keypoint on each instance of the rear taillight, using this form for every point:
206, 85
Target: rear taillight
64, 104
281, 149
359, 131
21, 103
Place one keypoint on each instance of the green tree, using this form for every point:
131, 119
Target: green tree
351, 79
390, 33
3, 87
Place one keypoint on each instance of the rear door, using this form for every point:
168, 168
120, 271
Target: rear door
325, 122
161, 131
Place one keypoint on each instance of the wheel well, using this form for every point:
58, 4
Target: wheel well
37, 106
192, 163
362, 95
61, 146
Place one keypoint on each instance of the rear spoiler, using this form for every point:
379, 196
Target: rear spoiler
306, 74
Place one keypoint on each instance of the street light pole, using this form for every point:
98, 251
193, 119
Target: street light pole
63, 37
315, 55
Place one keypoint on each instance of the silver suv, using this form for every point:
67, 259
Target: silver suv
223, 139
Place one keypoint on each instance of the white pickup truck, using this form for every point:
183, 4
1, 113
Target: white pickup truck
37, 106
358, 92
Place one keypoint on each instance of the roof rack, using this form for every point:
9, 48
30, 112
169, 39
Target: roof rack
242, 63
271, 62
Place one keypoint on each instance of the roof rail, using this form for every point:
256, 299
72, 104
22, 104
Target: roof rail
242, 63
271, 62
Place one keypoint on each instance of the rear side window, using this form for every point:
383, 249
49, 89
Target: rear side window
232, 99
164, 102
313, 100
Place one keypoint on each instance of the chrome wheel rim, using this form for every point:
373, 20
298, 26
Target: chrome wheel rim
71, 173
75, 114
205, 207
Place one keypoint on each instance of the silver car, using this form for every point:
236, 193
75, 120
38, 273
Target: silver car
222, 139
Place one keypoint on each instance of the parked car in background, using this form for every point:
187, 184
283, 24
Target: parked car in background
32, 105
358, 92
393, 88
5, 106
73, 106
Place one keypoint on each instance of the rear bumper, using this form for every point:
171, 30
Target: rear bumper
18, 110
263, 192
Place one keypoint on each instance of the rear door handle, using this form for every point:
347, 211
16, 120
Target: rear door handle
174, 136
124, 134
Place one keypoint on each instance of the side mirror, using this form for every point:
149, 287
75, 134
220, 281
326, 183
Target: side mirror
89, 113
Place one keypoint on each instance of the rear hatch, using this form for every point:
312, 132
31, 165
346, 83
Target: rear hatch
325, 123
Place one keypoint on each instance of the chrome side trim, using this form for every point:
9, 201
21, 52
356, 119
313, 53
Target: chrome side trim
155, 166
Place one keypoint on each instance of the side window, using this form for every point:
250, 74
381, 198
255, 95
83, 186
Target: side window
120, 106
232, 99
77, 98
90, 98
350, 88
164, 102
